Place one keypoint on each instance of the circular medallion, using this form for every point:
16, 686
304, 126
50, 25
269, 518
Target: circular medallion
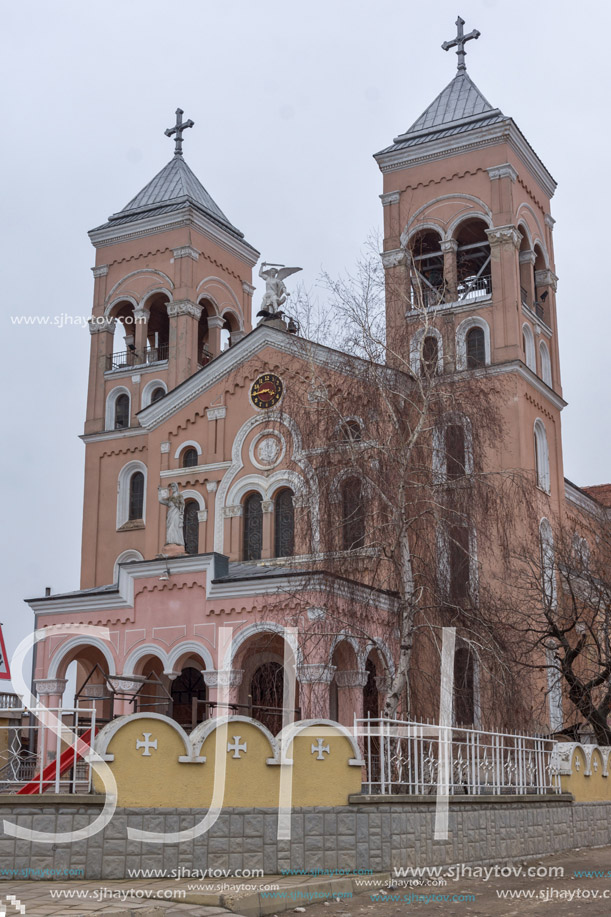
268, 450
266, 391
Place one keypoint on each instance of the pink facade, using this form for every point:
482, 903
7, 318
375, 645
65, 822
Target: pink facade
169, 405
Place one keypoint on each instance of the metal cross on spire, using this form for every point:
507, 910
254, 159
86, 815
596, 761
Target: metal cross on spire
179, 127
459, 43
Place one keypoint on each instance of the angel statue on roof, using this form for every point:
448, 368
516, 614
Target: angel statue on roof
275, 288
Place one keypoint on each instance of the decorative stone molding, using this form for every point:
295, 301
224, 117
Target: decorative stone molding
390, 197
215, 321
100, 271
449, 245
549, 221
393, 258
95, 691
354, 679
316, 614
202, 515
141, 314
186, 251
185, 307
546, 278
506, 170
211, 486
101, 323
248, 288
383, 683
223, 678
230, 511
124, 684
267, 506
47, 686
527, 257
216, 413
136, 379
502, 234
316, 673
165, 448
564, 763
267, 450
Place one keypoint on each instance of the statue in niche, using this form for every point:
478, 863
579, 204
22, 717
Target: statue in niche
175, 502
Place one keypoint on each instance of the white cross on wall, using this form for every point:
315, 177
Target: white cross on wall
319, 748
146, 744
236, 748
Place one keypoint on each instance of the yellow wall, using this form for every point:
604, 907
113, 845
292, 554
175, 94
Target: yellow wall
587, 781
174, 775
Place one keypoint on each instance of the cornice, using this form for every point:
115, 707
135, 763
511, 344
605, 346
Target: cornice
583, 501
184, 307
186, 251
390, 197
185, 216
478, 138
195, 469
105, 435
505, 170
100, 271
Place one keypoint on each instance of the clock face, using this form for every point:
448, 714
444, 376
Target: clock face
266, 391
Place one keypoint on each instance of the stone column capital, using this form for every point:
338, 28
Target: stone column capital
46, 686
393, 258
316, 673
449, 245
215, 321
223, 678
500, 235
546, 278
100, 323
351, 679
100, 271
184, 307
390, 197
527, 257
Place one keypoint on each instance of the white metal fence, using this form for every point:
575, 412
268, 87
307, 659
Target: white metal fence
424, 758
42, 750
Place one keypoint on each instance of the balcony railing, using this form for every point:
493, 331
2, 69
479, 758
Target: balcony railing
127, 359
474, 288
9, 701
422, 759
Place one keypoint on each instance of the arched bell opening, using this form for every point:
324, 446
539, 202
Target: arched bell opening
426, 284
473, 270
158, 330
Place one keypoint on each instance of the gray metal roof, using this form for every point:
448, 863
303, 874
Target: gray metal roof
172, 188
459, 108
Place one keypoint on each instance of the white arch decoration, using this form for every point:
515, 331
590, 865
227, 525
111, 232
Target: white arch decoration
188, 443
529, 347
147, 296
123, 491
542, 469
125, 557
382, 647
117, 300
458, 198
65, 649
147, 649
431, 226
147, 391
144, 270
474, 321
196, 496
485, 217
345, 637
266, 486
195, 649
213, 281
262, 627
237, 464
111, 401
546, 363
440, 471
524, 230
415, 345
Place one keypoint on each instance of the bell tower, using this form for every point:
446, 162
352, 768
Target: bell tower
468, 254
172, 289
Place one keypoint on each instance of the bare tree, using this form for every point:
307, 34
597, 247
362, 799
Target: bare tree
400, 443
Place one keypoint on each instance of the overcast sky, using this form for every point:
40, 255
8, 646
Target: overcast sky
289, 102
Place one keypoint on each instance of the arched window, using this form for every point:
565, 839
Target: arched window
541, 457
353, 514
157, 394
430, 356
454, 436
476, 348
253, 527
546, 364
427, 286
459, 557
464, 695
284, 524
529, 348
122, 412
136, 496
190, 458
191, 527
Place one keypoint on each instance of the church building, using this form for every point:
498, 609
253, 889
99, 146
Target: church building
203, 544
